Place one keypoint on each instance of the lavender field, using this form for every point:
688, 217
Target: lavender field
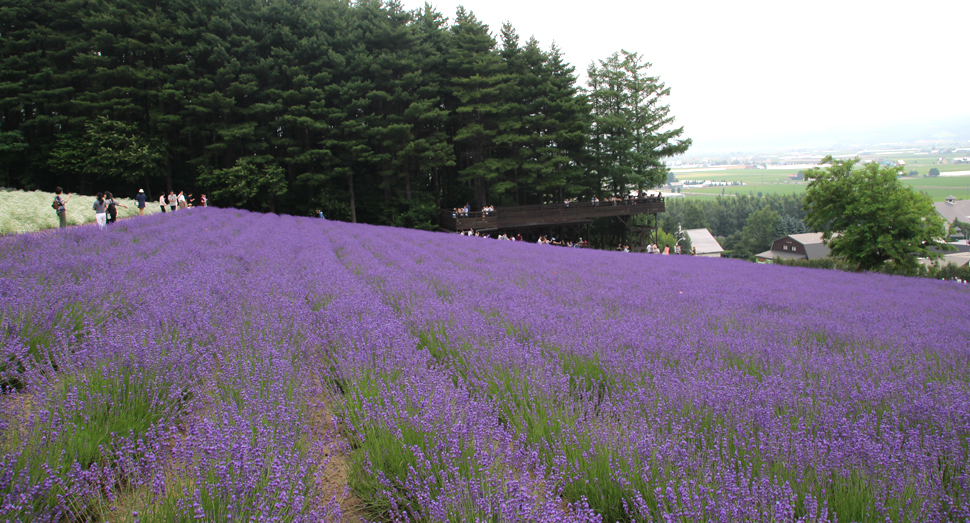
219, 365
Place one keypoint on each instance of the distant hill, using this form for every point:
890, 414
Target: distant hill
954, 129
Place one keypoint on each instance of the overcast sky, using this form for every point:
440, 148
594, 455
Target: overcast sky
755, 69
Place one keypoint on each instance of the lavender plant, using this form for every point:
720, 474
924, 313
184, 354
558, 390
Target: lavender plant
473, 380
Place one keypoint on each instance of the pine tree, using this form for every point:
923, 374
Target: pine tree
480, 85
429, 156
631, 133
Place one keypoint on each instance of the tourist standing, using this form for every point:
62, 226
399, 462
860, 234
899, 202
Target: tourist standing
60, 206
203, 201
140, 198
112, 207
172, 200
181, 201
161, 202
100, 207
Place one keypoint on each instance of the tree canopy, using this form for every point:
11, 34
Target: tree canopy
726, 216
364, 110
631, 128
869, 218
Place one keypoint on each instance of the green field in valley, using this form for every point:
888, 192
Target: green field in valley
748, 189
940, 188
771, 181
739, 175
924, 168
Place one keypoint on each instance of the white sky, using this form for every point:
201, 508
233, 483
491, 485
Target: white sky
749, 68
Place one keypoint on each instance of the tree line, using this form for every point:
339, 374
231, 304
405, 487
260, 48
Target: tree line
365, 110
744, 225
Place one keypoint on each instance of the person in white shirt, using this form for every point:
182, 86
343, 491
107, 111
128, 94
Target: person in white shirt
100, 210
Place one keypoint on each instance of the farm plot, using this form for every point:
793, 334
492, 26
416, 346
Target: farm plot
465, 379
939, 188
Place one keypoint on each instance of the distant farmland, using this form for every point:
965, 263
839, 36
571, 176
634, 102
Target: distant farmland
777, 181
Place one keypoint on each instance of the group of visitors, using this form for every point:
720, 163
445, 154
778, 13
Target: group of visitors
562, 243
463, 211
180, 201
518, 238
105, 209
105, 206
472, 232
653, 249
543, 240
625, 199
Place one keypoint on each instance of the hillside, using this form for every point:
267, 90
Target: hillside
274, 359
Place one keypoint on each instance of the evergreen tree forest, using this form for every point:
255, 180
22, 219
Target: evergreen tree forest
365, 110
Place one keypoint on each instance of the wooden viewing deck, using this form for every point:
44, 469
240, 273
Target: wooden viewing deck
526, 216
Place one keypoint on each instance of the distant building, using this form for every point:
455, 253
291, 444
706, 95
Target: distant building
952, 209
704, 243
960, 259
806, 246
893, 163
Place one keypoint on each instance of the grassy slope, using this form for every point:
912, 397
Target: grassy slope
22, 211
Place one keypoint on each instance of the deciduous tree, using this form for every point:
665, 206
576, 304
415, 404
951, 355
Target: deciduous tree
869, 218
758, 233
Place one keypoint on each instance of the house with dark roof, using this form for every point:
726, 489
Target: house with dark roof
807, 246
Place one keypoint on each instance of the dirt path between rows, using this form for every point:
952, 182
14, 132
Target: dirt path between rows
333, 481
